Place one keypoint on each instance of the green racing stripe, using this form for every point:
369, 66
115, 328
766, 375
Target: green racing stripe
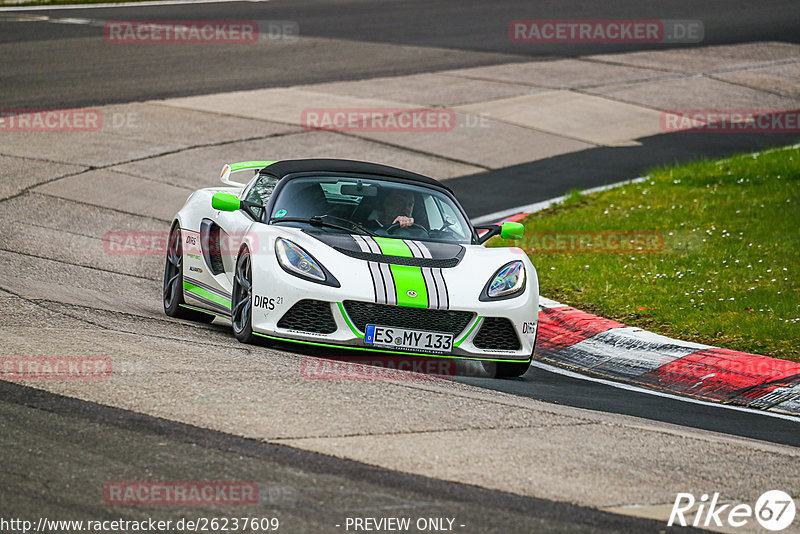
409, 284
393, 247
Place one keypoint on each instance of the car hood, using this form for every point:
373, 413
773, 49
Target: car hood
394, 251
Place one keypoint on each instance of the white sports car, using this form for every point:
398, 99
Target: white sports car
353, 255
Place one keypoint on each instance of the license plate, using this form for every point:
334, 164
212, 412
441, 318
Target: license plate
401, 338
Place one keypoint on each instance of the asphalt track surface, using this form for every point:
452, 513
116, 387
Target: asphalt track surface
598, 166
69, 442
552, 387
72, 434
348, 40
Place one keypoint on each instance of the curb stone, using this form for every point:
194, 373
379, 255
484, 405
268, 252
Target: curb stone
578, 340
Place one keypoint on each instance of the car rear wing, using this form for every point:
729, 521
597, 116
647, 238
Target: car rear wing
230, 168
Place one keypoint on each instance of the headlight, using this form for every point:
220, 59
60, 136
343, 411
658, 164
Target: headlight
509, 280
297, 261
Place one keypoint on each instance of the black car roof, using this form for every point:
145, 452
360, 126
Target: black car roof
291, 166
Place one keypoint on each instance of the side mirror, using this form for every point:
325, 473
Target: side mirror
225, 202
511, 230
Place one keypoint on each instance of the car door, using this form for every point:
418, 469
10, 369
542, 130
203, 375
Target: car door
223, 232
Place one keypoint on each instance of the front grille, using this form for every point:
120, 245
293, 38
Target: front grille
309, 316
364, 313
497, 333
443, 263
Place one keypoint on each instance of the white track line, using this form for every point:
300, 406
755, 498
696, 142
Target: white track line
628, 387
544, 204
122, 4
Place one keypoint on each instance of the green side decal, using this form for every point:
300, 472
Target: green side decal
250, 165
408, 281
347, 320
208, 295
460, 341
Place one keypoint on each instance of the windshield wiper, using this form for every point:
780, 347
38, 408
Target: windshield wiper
319, 220
354, 224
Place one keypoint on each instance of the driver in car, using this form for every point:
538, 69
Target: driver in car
397, 208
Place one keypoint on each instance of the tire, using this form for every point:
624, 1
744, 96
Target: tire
242, 299
506, 369
172, 293
510, 369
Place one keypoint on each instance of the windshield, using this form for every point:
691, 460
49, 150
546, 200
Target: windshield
372, 206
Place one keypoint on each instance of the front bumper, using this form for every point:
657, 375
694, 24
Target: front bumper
470, 342
276, 293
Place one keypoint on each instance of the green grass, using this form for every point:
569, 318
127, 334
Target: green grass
727, 273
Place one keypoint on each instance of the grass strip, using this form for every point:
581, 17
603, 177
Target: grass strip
707, 251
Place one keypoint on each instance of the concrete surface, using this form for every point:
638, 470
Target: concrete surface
18, 174
781, 79
695, 93
123, 193
484, 139
562, 73
708, 59
431, 89
577, 116
279, 105
200, 167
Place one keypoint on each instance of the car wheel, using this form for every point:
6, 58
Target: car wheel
510, 369
242, 299
173, 282
506, 369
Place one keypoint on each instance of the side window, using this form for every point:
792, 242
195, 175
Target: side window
434, 215
451, 219
261, 191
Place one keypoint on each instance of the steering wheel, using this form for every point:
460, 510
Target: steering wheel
391, 230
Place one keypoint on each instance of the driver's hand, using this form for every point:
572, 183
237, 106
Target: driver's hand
403, 221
